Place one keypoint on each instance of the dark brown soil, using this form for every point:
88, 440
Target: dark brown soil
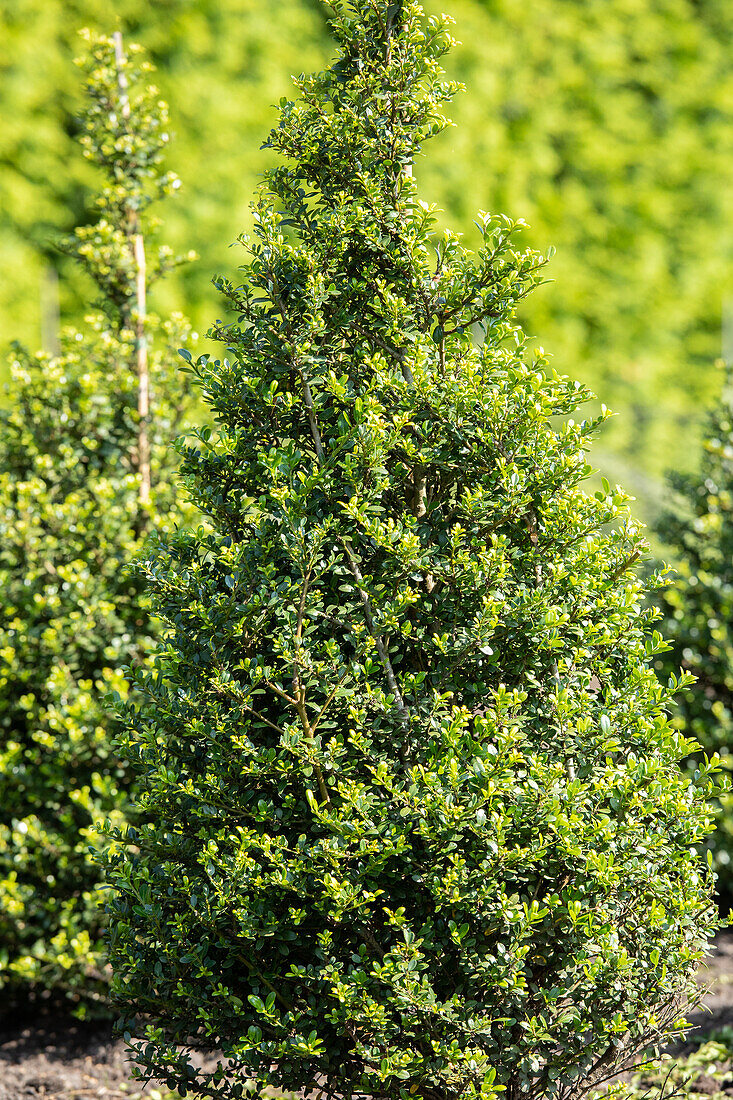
53, 1058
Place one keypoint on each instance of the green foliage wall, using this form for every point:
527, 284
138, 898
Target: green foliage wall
606, 124
221, 64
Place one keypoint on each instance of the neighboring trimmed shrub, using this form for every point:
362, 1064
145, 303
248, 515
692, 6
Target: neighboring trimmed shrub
74, 506
698, 611
411, 816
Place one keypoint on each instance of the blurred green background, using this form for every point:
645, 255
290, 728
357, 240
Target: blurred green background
606, 124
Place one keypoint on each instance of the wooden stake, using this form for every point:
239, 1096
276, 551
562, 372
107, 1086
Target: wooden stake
135, 236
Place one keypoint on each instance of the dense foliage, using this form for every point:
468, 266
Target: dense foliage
411, 817
607, 125
72, 511
698, 609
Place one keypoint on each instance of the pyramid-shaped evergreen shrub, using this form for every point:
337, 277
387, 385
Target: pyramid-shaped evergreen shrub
72, 512
415, 822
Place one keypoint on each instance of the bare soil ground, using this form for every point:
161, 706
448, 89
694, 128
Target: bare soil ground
57, 1058
716, 976
54, 1058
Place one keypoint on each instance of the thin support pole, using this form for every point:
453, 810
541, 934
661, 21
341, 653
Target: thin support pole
135, 236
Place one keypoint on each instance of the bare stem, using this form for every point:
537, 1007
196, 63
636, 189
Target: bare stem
420, 499
308, 399
532, 526
137, 243
377, 638
143, 374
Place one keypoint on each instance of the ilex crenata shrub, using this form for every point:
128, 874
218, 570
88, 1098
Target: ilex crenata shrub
412, 821
85, 474
698, 611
